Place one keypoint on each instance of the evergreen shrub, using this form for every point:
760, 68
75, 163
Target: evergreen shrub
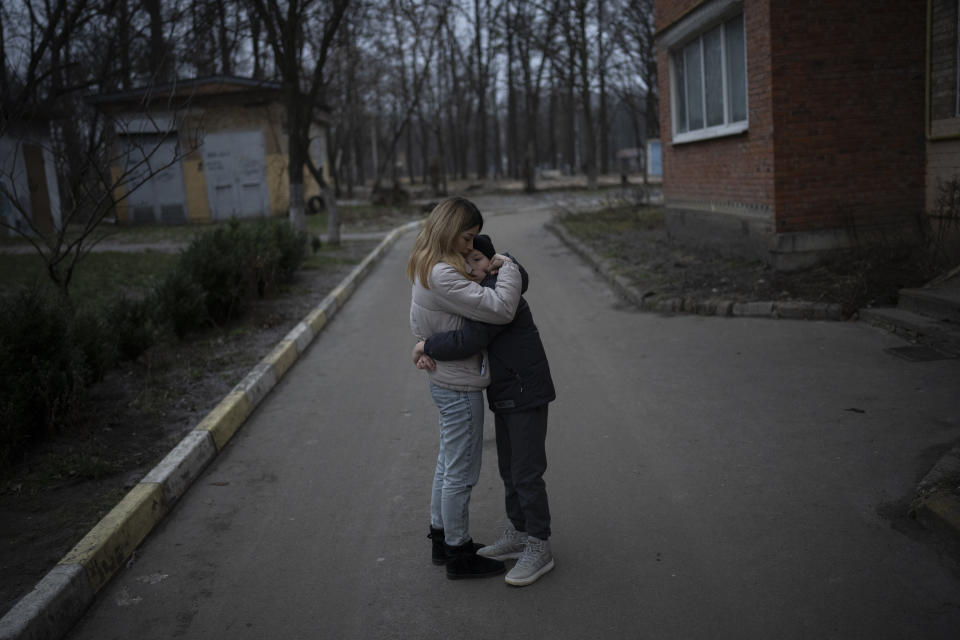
42, 369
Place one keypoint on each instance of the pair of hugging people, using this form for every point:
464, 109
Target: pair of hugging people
476, 332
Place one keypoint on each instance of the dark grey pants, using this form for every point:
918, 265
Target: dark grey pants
522, 460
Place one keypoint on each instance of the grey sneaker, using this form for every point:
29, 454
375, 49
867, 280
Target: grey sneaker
509, 545
535, 561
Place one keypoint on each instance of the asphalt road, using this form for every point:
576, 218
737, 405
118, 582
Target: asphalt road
709, 478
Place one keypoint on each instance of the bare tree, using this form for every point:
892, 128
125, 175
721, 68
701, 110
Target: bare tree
349, 83
634, 36
602, 53
300, 33
575, 23
162, 59
533, 26
486, 14
418, 27
209, 37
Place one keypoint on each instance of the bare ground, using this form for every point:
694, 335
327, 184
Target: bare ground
636, 242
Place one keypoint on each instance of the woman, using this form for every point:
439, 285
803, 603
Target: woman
442, 296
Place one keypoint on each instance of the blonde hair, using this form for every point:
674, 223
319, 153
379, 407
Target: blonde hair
437, 240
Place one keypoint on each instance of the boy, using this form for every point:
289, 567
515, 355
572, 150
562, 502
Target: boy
519, 392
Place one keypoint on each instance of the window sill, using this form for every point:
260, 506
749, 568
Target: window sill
712, 132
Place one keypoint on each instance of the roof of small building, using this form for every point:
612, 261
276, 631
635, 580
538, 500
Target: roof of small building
191, 87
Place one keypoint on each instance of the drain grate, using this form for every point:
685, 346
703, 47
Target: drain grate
918, 354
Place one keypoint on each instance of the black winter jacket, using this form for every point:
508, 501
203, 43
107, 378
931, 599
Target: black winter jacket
519, 371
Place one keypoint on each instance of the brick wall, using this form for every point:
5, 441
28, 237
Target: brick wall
732, 170
847, 96
835, 99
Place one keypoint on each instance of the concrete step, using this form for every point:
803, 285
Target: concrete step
939, 334
938, 303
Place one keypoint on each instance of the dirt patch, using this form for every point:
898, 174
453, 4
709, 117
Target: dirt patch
133, 418
635, 241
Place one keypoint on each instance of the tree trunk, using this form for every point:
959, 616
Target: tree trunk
497, 143
160, 64
481, 97
409, 161
513, 167
296, 213
298, 125
123, 35
258, 71
226, 67
589, 131
602, 74
358, 156
572, 118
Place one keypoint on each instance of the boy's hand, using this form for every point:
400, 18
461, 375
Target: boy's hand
496, 262
422, 360
427, 363
418, 351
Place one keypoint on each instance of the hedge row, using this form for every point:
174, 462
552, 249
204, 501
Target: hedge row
51, 349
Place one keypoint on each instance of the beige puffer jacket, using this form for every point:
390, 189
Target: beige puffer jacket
451, 298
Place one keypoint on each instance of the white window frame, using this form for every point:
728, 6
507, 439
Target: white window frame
692, 29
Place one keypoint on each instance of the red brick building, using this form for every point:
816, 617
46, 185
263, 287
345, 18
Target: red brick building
794, 127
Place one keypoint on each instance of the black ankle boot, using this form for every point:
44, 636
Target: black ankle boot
438, 552
465, 563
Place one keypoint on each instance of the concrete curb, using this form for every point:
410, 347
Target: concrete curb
64, 594
939, 512
713, 307
937, 505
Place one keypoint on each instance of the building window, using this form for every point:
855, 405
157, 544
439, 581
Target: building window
709, 76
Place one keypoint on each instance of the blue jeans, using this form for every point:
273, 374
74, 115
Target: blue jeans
458, 464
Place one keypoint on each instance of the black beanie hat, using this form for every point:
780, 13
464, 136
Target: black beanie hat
484, 245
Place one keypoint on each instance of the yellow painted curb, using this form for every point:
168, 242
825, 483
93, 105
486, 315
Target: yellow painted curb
108, 545
317, 319
341, 293
227, 417
282, 357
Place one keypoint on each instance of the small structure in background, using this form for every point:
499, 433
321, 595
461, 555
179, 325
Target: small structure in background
629, 163
205, 150
28, 174
645, 162
654, 166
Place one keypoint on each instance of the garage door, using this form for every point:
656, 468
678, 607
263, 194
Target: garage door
155, 181
234, 164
